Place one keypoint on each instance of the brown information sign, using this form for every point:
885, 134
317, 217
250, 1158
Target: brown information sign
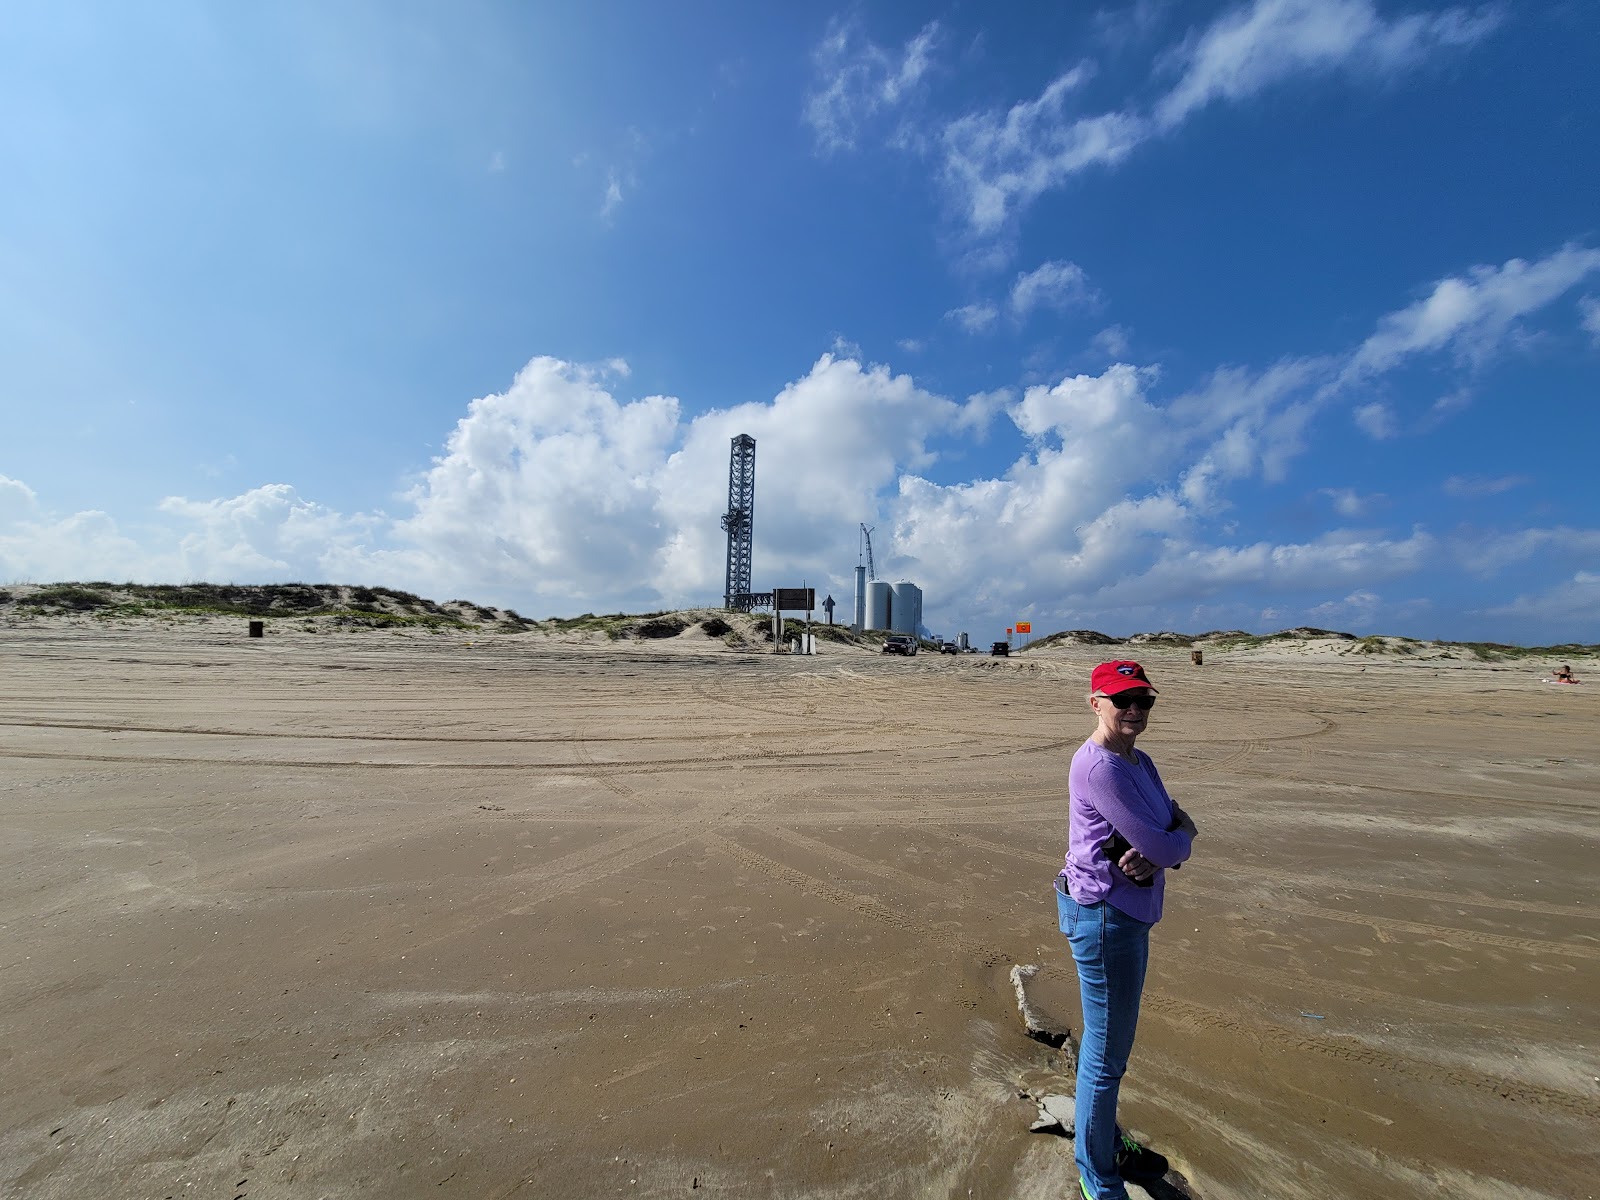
794, 599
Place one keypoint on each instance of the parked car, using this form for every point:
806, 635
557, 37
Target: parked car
1000, 650
949, 648
900, 643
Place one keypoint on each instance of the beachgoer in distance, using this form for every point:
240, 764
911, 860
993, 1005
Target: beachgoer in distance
1124, 832
1564, 674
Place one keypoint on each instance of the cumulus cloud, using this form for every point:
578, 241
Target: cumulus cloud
981, 408
565, 492
552, 482
1053, 284
856, 80
38, 547
269, 532
17, 499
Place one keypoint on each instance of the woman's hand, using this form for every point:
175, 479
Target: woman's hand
1136, 866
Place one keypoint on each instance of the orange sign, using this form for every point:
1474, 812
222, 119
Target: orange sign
1024, 626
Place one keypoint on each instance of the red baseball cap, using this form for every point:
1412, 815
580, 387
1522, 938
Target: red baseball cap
1109, 678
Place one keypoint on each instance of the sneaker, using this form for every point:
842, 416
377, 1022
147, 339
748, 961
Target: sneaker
1137, 1164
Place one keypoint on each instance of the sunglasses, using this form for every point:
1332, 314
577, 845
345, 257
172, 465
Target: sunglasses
1123, 701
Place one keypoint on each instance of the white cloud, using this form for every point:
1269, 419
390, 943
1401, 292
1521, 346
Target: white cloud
1472, 314
975, 318
1334, 559
1349, 503
1571, 603
563, 493
1112, 341
911, 345
1377, 421
1257, 420
268, 532
552, 484
17, 500
1450, 403
1589, 317
981, 408
1486, 554
1250, 49
38, 548
1464, 486
612, 200
1127, 23
1053, 284
856, 80
1358, 608
997, 162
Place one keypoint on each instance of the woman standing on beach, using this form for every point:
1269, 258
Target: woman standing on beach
1124, 830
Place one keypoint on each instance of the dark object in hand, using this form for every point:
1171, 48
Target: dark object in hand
1115, 847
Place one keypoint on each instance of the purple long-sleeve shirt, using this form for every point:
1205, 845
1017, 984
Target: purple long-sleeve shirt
1108, 792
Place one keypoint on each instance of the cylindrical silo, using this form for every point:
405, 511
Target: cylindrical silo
905, 610
879, 596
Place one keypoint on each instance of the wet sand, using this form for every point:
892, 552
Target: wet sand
363, 914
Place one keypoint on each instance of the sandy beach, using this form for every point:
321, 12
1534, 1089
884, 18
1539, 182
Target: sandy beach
405, 914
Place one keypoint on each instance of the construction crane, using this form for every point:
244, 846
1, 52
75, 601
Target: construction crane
866, 542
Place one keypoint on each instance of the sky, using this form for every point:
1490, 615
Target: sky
1157, 316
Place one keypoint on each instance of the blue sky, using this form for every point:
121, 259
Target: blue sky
1159, 316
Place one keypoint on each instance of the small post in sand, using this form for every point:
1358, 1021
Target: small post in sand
258, 628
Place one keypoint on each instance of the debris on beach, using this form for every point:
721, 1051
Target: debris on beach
1056, 1114
1038, 1026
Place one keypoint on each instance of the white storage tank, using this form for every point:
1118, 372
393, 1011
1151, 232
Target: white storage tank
878, 602
905, 611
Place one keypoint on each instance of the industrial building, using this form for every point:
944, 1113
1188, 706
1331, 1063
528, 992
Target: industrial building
881, 605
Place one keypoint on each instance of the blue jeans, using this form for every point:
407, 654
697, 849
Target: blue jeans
1111, 950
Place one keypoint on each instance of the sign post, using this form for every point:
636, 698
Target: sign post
1025, 628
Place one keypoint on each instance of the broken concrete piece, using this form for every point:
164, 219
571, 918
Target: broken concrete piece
1038, 1027
1057, 1114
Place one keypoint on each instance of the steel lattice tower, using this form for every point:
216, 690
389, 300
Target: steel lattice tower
739, 520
